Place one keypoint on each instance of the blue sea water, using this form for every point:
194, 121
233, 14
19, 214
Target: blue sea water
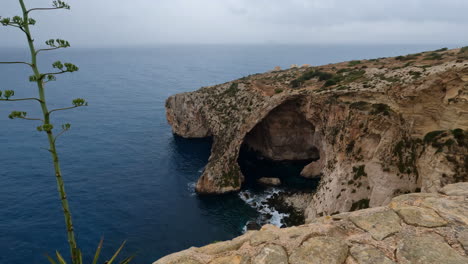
127, 176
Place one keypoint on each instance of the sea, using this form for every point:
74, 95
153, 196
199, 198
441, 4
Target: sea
127, 176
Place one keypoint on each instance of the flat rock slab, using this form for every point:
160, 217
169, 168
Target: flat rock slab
436, 232
379, 224
418, 216
320, 250
454, 209
365, 254
428, 249
219, 247
458, 189
230, 260
261, 237
271, 254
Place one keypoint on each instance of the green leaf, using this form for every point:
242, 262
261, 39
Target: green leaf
60, 4
8, 94
51, 260
71, 67
127, 260
51, 77
17, 114
98, 251
18, 20
5, 21
116, 253
50, 42
63, 43
60, 258
33, 78
58, 65
47, 127
66, 126
79, 102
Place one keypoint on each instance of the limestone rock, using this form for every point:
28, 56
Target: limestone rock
462, 237
362, 237
261, 237
320, 250
179, 258
386, 129
453, 209
414, 215
369, 255
229, 260
220, 247
271, 254
428, 249
380, 224
269, 181
456, 189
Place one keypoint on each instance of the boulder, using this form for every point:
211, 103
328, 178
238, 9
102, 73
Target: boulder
269, 181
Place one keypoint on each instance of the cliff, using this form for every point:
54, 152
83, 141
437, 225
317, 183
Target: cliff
374, 128
419, 228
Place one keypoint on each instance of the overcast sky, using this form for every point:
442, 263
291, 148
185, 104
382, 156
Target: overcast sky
130, 22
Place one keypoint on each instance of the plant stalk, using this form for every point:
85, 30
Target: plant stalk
75, 253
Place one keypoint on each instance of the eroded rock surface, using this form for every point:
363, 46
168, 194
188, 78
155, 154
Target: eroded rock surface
377, 235
269, 181
373, 129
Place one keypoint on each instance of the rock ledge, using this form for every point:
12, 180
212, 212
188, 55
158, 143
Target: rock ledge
413, 228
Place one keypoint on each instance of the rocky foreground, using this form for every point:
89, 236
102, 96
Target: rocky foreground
372, 129
418, 228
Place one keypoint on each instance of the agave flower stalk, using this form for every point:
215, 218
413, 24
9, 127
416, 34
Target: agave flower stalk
24, 23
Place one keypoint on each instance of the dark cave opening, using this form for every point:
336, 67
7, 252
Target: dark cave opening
280, 146
254, 166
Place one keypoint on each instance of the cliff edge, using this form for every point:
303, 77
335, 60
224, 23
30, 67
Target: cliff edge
374, 128
425, 228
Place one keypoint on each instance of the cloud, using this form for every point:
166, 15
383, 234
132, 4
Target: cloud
110, 22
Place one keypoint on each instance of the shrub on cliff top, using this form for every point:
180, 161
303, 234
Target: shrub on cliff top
407, 57
278, 90
354, 63
433, 56
463, 54
232, 90
322, 76
440, 50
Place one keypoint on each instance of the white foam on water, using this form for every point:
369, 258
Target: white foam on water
191, 188
259, 203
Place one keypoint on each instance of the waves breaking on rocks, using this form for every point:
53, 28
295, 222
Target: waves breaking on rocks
267, 213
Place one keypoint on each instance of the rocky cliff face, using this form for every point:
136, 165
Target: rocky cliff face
414, 228
372, 129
